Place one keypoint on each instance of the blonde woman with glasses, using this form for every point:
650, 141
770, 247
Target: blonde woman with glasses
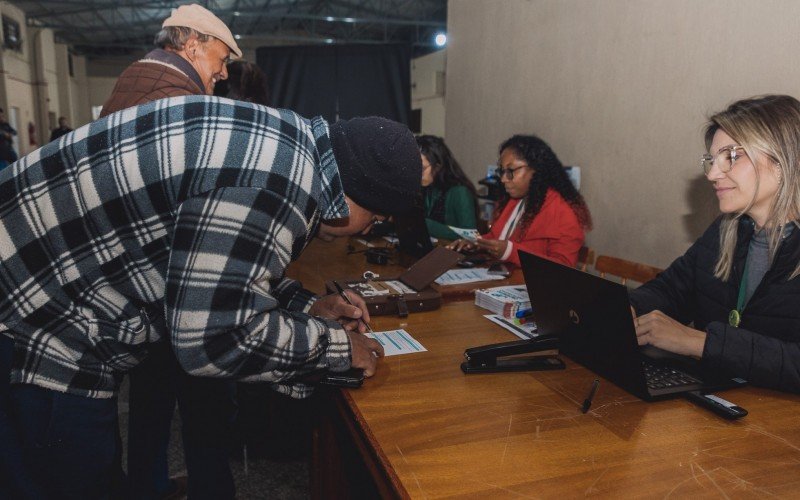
737, 286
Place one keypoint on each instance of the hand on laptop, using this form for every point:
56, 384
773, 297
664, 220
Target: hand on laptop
495, 248
657, 329
462, 245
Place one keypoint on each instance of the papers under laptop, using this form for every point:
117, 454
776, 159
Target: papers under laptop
592, 318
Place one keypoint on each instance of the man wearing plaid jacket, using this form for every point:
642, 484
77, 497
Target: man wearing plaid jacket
176, 220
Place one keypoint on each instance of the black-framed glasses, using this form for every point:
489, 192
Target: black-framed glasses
507, 172
724, 159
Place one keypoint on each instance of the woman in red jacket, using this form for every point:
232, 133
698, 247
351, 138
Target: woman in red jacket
541, 213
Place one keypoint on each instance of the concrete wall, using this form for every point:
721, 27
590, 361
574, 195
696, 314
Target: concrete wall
428, 90
620, 88
100, 88
35, 83
18, 77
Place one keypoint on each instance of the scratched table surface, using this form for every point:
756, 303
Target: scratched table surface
438, 432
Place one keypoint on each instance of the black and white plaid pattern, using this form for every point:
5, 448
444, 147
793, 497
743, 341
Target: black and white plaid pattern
173, 219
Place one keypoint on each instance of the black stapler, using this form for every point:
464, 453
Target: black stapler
484, 359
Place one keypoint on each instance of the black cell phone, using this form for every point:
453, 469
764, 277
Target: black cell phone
352, 378
472, 261
721, 407
499, 269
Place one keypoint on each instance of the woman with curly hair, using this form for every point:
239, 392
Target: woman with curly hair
450, 197
541, 212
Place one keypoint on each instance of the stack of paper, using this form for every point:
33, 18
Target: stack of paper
503, 300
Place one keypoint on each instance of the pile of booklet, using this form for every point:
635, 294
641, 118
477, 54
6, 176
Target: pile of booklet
506, 301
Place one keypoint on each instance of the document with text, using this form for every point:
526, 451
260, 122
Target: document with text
396, 342
461, 276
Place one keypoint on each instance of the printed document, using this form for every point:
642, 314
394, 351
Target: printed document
461, 276
396, 342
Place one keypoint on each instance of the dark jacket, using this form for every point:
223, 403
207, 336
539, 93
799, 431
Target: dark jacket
765, 348
58, 132
158, 75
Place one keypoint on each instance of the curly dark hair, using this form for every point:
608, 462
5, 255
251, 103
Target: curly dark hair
446, 170
550, 173
246, 82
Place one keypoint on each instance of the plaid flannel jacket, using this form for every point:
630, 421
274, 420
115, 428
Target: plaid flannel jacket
176, 220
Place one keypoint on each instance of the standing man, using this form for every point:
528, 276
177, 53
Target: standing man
7, 133
63, 129
176, 222
194, 47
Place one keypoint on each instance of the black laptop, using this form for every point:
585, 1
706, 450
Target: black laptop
412, 234
592, 318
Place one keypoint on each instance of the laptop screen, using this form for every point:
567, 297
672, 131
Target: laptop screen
412, 234
590, 315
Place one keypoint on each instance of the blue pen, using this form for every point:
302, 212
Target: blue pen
524, 313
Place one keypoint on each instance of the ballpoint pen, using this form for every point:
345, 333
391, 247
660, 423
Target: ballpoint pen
587, 403
347, 299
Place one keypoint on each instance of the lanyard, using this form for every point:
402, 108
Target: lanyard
735, 316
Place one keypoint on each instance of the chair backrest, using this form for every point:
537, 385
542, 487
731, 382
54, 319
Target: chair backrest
625, 269
585, 258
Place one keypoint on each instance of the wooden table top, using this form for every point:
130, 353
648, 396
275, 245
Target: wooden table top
326, 260
443, 433
438, 432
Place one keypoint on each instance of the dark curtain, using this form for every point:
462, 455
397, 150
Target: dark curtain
340, 81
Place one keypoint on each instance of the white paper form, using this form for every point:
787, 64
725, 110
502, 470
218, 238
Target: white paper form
467, 234
525, 331
396, 342
461, 276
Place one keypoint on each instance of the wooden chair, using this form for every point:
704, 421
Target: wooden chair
625, 269
585, 258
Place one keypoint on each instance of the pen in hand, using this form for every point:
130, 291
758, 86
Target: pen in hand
587, 403
347, 299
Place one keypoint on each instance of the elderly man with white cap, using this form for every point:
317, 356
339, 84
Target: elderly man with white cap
194, 46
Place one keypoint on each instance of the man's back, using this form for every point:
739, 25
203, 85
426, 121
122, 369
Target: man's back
86, 229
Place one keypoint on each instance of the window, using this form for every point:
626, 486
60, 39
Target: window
12, 37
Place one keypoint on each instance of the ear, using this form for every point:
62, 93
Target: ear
191, 47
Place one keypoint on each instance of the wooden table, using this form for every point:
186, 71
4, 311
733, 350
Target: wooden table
326, 260
420, 428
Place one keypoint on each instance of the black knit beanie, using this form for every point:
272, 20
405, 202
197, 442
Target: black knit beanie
379, 163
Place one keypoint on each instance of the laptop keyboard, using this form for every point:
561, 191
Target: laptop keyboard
663, 377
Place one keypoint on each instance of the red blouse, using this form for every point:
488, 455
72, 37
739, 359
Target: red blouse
554, 233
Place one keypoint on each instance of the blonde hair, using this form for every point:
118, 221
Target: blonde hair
768, 128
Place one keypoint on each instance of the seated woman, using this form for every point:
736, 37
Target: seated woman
738, 283
450, 197
541, 213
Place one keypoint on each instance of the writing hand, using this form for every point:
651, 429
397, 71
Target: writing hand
365, 353
657, 329
334, 307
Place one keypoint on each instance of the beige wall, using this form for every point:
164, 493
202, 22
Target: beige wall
100, 88
621, 88
18, 77
428, 89
36, 82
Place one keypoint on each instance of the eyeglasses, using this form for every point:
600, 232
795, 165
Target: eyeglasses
724, 159
507, 172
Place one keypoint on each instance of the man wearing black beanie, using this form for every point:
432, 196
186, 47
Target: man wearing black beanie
380, 169
175, 221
